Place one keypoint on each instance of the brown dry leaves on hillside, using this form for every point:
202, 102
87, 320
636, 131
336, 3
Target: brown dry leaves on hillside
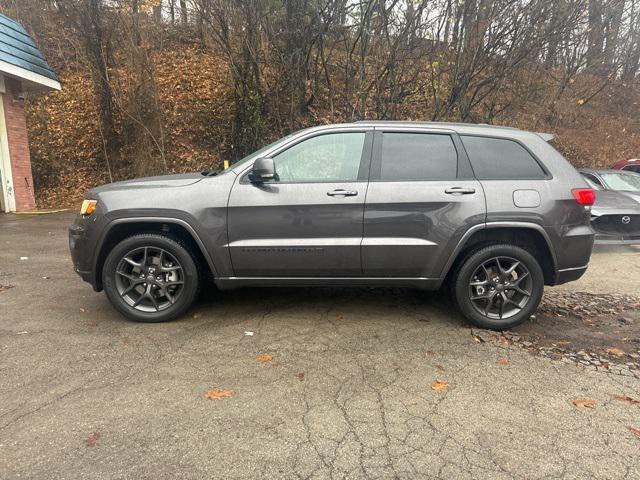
64, 133
195, 96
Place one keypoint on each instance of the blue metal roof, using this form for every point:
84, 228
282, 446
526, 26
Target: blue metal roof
17, 48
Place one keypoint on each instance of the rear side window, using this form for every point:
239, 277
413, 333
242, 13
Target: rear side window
417, 156
500, 159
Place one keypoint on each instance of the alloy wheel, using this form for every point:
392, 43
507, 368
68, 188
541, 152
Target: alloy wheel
149, 279
500, 287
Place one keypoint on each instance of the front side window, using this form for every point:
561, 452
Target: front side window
333, 157
417, 156
501, 159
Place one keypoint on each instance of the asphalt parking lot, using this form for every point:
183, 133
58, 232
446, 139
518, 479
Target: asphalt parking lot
315, 383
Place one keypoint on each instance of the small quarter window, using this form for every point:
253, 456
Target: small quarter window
501, 159
417, 156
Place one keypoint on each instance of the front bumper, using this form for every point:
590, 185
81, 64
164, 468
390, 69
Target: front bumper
82, 246
605, 239
77, 245
618, 228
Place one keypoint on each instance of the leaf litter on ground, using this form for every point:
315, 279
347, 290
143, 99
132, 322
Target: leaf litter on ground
440, 385
219, 394
584, 403
626, 399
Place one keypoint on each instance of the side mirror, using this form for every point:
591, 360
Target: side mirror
263, 170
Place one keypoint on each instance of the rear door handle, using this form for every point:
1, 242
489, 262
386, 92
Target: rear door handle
339, 192
460, 190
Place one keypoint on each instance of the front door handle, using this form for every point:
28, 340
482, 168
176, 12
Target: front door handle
339, 192
460, 190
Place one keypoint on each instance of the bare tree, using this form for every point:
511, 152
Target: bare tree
89, 19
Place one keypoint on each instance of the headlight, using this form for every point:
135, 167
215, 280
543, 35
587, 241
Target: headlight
88, 207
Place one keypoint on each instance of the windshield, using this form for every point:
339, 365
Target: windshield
622, 181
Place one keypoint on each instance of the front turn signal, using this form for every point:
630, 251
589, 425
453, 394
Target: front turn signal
88, 207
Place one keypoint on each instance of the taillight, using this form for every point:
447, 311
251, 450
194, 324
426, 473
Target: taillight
584, 196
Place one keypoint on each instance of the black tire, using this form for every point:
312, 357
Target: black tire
485, 304
162, 300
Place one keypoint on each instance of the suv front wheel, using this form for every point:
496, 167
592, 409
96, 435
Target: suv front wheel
151, 278
498, 286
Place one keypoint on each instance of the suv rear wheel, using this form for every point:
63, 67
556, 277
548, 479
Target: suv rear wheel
151, 278
498, 286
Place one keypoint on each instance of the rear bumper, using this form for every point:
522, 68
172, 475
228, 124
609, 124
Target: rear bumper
573, 250
569, 274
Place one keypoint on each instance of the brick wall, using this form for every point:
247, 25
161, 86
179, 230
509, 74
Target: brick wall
18, 147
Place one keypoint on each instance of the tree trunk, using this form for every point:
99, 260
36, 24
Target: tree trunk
614, 10
183, 13
553, 35
595, 37
91, 22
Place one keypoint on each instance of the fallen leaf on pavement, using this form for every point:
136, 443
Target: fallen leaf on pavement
626, 399
584, 403
217, 394
635, 431
615, 351
503, 361
264, 358
93, 439
439, 385
301, 376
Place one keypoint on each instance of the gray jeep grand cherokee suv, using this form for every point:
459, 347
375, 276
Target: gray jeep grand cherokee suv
493, 213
